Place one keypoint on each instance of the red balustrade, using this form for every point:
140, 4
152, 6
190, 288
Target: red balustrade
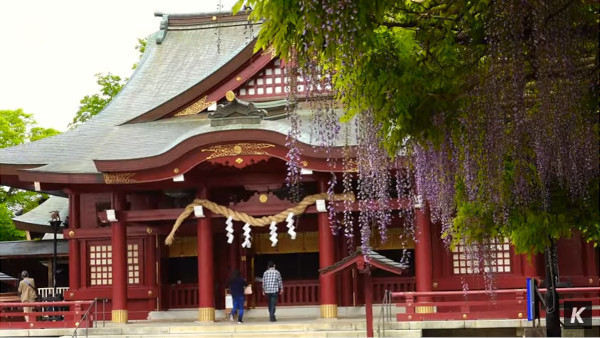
63, 314
295, 292
183, 296
480, 304
393, 284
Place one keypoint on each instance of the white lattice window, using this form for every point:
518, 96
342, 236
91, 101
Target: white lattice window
272, 81
466, 260
100, 263
133, 264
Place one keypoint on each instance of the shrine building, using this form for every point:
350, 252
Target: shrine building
204, 117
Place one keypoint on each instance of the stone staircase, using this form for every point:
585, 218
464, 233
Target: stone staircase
291, 322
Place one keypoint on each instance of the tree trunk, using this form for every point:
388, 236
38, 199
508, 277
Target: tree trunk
552, 305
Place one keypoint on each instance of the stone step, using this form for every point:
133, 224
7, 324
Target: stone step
283, 328
292, 334
309, 311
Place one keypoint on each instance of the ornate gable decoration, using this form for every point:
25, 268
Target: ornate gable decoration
236, 112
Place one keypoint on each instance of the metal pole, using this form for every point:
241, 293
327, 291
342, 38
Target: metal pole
55, 226
54, 264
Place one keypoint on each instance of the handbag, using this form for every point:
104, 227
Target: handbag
248, 289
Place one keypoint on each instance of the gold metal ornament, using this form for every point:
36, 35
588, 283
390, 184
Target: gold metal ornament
230, 96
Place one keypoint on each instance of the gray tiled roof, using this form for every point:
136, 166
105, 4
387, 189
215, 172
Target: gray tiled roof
38, 219
33, 248
182, 60
373, 256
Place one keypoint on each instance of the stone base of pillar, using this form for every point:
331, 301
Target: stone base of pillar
206, 314
119, 316
425, 309
329, 311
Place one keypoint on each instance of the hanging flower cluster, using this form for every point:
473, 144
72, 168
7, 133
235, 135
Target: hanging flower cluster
498, 140
333, 25
525, 131
293, 178
373, 180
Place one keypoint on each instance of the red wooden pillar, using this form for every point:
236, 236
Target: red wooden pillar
423, 258
326, 258
206, 288
119, 262
74, 257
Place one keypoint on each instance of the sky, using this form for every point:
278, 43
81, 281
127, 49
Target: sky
50, 51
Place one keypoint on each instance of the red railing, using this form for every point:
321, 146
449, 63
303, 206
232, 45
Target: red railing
392, 284
54, 315
295, 293
577, 295
183, 296
479, 304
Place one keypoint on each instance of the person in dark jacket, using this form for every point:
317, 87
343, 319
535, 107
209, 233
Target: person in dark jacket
236, 288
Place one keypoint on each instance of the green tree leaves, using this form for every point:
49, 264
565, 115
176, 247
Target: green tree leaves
91, 105
17, 127
501, 89
110, 85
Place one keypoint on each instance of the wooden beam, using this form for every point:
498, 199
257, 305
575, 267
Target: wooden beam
252, 210
172, 214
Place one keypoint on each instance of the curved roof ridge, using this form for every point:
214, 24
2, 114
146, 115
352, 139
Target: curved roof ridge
174, 21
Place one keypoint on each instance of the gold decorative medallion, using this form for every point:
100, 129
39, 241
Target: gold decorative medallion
520, 315
435, 285
115, 178
271, 50
214, 18
176, 170
149, 230
71, 233
465, 316
239, 160
150, 293
263, 198
351, 166
230, 96
305, 163
238, 149
195, 107
238, 79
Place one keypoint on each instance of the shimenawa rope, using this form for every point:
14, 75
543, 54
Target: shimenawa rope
259, 222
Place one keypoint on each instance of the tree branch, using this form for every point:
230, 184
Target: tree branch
398, 24
552, 15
